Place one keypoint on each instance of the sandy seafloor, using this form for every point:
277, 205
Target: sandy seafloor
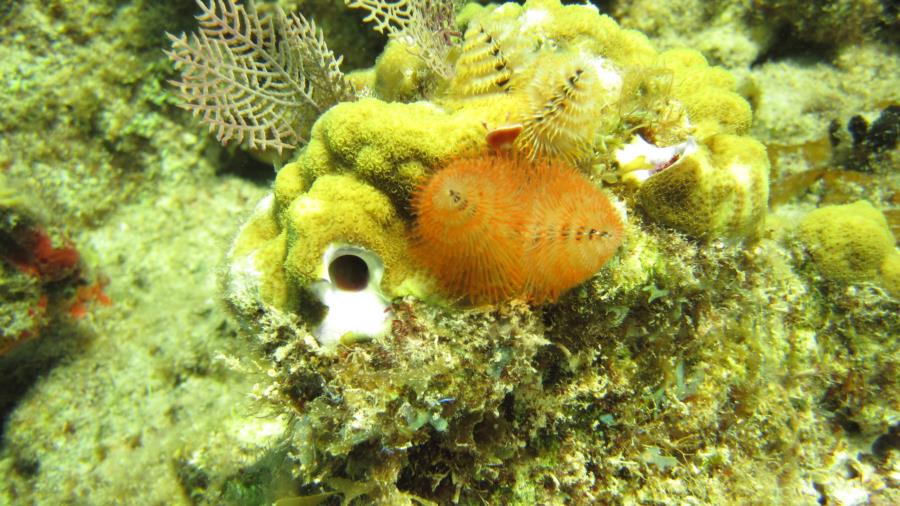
117, 406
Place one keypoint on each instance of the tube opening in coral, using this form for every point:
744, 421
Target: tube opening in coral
349, 272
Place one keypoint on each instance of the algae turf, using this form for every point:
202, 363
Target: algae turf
690, 353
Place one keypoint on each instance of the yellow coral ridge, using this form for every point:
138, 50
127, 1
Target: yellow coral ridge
890, 274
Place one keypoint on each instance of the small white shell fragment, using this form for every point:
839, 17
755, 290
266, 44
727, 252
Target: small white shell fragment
638, 160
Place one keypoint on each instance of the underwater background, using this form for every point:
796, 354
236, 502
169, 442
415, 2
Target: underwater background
182, 323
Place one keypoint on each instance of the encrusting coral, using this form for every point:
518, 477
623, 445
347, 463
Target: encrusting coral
720, 191
647, 379
849, 242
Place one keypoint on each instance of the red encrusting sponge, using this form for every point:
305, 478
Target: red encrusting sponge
499, 227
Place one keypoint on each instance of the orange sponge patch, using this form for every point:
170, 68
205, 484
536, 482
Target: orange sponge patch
494, 228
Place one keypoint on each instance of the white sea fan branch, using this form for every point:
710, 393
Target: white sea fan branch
263, 80
427, 26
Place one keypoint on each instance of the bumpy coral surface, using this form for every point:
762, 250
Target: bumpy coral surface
849, 242
722, 191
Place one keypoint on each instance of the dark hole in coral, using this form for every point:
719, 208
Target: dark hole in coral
550, 362
363, 458
821, 491
508, 408
834, 130
849, 426
871, 143
193, 480
25, 467
624, 473
886, 442
549, 483
489, 432
304, 388
349, 272
858, 128
884, 133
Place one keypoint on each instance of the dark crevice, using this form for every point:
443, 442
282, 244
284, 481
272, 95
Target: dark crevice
788, 46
